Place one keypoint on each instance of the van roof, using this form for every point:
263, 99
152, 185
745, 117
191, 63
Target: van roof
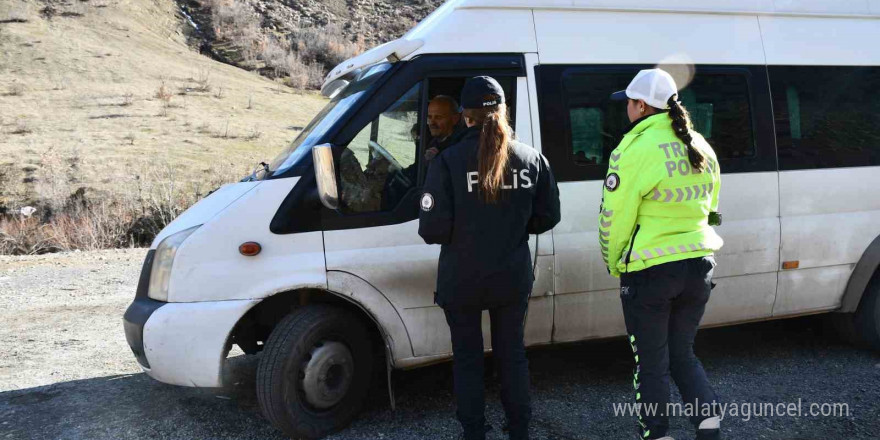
835, 8
440, 32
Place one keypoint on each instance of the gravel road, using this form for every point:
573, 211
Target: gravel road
67, 373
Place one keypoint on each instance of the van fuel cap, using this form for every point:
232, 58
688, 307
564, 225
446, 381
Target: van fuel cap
250, 248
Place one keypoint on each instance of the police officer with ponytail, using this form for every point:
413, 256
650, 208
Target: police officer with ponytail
482, 198
660, 201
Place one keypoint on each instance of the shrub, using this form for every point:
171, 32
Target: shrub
236, 22
203, 83
164, 94
326, 46
87, 220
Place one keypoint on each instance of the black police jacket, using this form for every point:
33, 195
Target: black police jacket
485, 258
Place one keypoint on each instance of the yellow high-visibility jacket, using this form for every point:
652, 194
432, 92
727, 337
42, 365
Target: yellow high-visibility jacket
655, 208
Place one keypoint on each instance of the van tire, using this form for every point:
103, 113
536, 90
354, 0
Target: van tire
843, 325
867, 317
289, 354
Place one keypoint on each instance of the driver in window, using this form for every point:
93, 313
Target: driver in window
444, 123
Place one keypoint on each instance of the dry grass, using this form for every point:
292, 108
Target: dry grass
99, 132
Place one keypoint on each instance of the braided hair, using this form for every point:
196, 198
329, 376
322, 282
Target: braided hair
681, 123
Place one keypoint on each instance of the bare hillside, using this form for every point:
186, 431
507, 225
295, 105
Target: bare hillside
104, 100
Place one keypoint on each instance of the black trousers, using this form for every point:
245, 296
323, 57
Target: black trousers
513, 368
663, 306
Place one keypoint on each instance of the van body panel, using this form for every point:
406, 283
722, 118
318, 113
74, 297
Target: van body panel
735, 39
828, 221
394, 259
579, 264
205, 209
821, 41
209, 267
539, 321
763, 7
378, 307
810, 290
185, 344
482, 33
740, 298
716, 6
429, 331
749, 203
582, 316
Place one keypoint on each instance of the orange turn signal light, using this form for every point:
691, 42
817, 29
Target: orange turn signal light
250, 248
787, 265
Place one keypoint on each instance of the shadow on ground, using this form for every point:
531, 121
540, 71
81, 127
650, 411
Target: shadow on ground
574, 389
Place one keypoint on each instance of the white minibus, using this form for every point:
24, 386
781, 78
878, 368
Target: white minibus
315, 261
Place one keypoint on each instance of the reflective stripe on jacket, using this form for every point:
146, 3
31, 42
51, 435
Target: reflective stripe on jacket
655, 208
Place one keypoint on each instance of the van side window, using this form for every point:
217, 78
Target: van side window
378, 166
580, 134
826, 117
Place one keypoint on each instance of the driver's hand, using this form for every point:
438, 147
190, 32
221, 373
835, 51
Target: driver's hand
431, 153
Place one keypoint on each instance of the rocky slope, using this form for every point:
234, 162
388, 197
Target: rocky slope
376, 21
271, 35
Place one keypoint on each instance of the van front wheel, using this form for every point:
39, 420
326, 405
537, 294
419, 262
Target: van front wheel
315, 371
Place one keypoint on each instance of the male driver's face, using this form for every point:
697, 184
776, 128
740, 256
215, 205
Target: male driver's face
441, 118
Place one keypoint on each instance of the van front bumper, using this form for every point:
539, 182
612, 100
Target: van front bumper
185, 343
135, 319
180, 343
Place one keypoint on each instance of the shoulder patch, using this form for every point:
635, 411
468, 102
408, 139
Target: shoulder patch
612, 182
427, 202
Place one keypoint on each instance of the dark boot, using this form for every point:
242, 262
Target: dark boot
486, 430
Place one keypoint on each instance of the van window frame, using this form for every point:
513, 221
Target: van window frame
556, 131
299, 212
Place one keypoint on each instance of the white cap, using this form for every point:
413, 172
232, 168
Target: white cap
654, 86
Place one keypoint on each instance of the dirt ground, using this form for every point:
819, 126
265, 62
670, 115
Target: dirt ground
66, 372
62, 316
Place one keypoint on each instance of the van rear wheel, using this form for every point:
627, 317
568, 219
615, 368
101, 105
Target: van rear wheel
867, 318
315, 371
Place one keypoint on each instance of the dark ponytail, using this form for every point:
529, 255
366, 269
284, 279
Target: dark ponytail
681, 123
493, 153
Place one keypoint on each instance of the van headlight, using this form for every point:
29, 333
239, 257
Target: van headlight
160, 276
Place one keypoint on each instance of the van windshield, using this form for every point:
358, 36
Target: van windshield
326, 118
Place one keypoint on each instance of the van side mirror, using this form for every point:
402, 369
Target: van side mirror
325, 175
